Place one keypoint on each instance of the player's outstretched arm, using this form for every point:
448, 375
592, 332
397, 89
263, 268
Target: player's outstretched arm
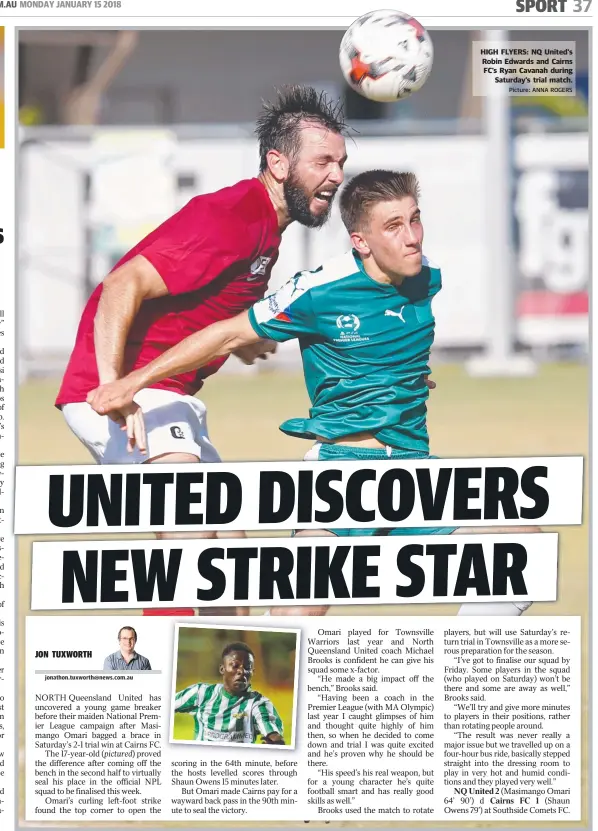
193, 352
123, 292
188, 700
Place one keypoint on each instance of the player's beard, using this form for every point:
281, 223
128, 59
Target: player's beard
298, 204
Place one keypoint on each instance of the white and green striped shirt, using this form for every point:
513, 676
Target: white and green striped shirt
222, 717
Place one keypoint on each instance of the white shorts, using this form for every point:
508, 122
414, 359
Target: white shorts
174, 424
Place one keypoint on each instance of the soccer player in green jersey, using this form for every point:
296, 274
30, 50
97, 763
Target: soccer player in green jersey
231, 711
365, 326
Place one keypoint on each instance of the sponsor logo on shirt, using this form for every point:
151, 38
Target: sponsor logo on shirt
176, 432
390, 313
258, 267
219, 736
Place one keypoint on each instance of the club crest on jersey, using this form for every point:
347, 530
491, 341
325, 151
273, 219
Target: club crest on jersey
348, 323
258, 267
349, 326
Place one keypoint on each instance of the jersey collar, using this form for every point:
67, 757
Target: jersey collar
273, 217
385, 287
234, 697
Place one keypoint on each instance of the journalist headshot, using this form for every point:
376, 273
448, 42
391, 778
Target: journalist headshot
126, 657
231, 711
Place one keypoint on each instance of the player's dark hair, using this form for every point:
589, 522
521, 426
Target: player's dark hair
371, 187
236, 646
127, 629
278, 126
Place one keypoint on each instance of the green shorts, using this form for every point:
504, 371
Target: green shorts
337, 452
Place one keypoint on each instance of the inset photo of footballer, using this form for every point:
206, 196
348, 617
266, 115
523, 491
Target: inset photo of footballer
234, 686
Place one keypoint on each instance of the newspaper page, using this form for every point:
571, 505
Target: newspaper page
295, 324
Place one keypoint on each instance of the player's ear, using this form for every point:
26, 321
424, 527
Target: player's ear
221, 669
278, 165
359, 243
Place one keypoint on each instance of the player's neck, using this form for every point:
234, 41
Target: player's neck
233, 693
276, 193
373, 270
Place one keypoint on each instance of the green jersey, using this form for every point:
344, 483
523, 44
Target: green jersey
365, 348
222, 717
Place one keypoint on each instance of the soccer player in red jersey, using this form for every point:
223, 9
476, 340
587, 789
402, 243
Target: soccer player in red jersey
207, 263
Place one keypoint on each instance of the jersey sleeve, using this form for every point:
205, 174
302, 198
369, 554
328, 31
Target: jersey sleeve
286, 313
197, 245
189, 699
265, 717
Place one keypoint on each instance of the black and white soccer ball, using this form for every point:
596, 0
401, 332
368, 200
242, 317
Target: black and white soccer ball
386, 55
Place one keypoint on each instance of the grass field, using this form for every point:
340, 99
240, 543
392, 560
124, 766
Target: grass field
544, 415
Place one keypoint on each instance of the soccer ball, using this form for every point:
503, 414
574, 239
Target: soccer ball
386, 55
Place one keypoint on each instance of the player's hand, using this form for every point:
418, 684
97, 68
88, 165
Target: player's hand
112, 399
128, 416
260, 350
431, 385
273, 738
133, 422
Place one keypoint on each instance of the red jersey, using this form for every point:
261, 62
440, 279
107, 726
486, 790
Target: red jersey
215, 256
